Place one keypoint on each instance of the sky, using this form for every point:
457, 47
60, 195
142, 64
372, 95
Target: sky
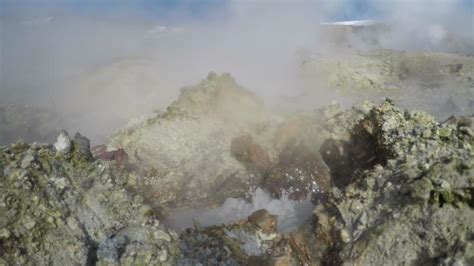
198, 9
175, 10
146, 8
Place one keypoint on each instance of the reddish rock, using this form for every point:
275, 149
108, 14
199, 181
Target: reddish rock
299, 171
264, 220
119, 155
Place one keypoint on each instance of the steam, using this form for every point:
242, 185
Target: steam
291, 214
100, 68
418, 25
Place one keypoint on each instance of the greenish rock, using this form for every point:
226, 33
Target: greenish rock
422, 189
413, 79
426, 134
48, 217
420, 211
394, 193
444, 132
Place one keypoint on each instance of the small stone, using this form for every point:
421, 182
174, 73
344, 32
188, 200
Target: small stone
356, 206
445, 184
412, 173
4, 233
466, 131
336, 193
162, 235
110, 249
82, 146
366, 107
163, 255
27, 160
426, 133
63, 142
444, 132
264, 220
50, 220
344, 236
60, 183
422, 188
29, 223
369, 183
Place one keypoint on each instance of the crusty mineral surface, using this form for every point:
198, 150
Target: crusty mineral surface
413, 207
392, 187
66, 209
439, 83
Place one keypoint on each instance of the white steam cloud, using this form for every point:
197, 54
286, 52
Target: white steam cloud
100, 71
291, 214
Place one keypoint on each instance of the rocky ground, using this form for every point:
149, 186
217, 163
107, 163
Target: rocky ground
439, 83
390, 186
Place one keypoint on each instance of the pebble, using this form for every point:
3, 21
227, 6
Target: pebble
344, 235
27, 160
162, 235
63, 143
4, 233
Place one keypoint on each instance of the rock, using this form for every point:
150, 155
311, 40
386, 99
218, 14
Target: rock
4, 233
422, 189
119, 155
418, 80
63, 143
248, 242
401, 195
388, 215
111, 249
264, 220
444, 133
81, 146
299, 171
96, 223
162, 235
460, 121
344, 235
27, 160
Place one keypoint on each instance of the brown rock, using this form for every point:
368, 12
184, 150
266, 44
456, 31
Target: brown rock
264, 220
119, 156
299, 171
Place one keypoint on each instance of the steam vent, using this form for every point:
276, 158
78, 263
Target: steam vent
374, 184
236, 132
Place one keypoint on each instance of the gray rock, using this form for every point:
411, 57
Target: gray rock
82, 146
111, 249
51, 200
27, 160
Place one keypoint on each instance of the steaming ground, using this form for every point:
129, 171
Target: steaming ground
291, 214
97, 72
